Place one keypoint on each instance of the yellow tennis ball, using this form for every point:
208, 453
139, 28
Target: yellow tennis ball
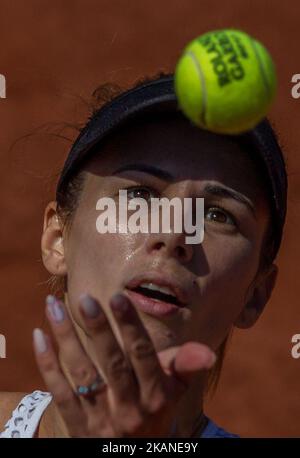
225, 81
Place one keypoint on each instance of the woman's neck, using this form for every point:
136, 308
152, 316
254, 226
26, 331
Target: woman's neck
190, 419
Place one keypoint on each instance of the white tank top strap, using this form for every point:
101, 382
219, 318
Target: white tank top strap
27, 415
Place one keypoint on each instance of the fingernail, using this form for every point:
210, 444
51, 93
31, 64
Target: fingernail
90, 306
55, 309
213, 359
39, 340
119, 302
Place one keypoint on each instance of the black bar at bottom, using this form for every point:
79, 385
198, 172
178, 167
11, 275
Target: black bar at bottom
148, 447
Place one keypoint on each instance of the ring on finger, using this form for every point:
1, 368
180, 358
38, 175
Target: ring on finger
92, 388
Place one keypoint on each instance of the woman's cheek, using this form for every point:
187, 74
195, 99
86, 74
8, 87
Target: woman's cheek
215, 313
222, 296
96, 263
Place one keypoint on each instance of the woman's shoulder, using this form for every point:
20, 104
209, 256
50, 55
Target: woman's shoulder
8, 402
21, 413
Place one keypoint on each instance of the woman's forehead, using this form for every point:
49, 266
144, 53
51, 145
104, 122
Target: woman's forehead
179, 148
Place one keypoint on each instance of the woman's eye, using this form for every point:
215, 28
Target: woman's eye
219, 216
140, 193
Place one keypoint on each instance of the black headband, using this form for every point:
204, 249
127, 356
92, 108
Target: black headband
156, 96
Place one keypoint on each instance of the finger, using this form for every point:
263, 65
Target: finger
114, 365
187, 360
68, 404
76, 364
140, 349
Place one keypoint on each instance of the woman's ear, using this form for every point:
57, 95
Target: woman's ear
52, 245
257, 297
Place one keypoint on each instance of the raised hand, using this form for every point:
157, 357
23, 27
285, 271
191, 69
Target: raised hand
138, 390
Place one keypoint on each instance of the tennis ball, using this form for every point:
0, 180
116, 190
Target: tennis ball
225, 81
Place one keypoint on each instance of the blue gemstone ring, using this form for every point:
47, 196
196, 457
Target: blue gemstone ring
87, 390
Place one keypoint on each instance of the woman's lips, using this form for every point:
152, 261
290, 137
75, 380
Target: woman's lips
163, 279
152, 306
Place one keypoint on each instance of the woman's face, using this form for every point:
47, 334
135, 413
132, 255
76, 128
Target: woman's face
214, 277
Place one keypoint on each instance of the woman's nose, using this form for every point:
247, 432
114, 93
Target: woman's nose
173, 244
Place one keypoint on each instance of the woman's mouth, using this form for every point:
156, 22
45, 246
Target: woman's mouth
154, 298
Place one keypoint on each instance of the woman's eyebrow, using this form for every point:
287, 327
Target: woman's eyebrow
228, 193
213, 189
155, 171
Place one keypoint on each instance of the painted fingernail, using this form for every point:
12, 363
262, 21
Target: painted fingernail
55, 309
90, 306
39, 340
119, 303
212, 359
